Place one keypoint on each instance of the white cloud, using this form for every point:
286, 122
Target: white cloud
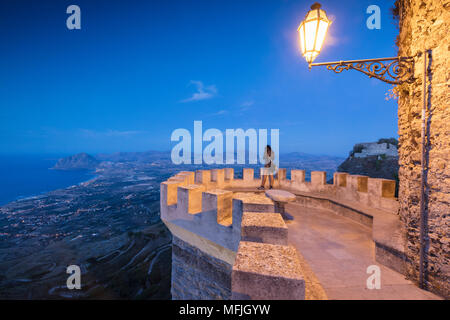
203, 92
220, 112
217, 113
246, 105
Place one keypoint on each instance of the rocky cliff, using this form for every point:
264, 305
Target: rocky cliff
372, 161
372, 166
80, 161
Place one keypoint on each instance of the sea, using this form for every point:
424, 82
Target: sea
23, 176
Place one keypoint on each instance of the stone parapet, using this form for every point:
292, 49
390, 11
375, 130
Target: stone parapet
298, 176
264, 227
218, 176
381, 187
197, 275
358, 182
267, 272
220, 201
318, 178
224, 218
340, 179
189, 198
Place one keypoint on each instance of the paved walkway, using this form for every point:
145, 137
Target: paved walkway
339, 250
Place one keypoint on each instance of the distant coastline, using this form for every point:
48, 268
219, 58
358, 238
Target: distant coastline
28, 177
44, 193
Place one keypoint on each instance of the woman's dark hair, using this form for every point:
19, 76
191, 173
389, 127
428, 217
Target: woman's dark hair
269, 150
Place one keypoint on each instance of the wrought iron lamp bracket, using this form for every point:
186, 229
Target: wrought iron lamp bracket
395, 70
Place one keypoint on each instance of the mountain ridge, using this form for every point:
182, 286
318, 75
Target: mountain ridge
79, 161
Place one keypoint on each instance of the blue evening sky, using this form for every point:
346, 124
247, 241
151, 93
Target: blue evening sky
137, 70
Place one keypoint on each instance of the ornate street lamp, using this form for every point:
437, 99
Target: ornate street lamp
394, 70
312, 32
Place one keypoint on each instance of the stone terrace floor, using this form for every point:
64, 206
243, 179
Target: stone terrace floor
338, 251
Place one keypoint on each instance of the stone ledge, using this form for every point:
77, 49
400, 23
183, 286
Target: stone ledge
390, 257
278, 195
264, 227
207, 246
386, 227
255, 202
267, 272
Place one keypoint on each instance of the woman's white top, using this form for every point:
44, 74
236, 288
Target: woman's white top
269, 159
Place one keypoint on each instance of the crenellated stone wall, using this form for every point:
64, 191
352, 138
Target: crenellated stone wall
424, 25
198, 275
230, 243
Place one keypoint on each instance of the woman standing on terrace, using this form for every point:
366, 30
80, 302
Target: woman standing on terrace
269, 168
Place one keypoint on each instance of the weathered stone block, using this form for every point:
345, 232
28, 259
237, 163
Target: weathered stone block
248, 174
298, 176
169, 190
197, 275
281, 174
318, 178
220, 200
229, 173
358, 183
190, 198
189, 176
177, 178
253, 202
264, 227
381, 187
203, 176
340, 179
388, 188
267, 272
218, 176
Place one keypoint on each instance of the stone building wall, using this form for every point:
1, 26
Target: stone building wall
197, 275
424, 24
374, 148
